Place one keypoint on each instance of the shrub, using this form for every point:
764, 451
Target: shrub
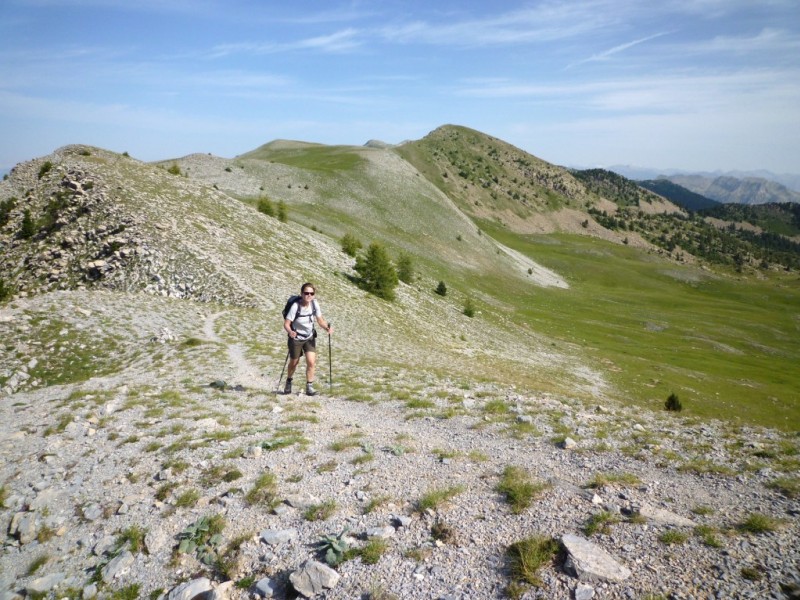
265, 206
6, 206
263, 491
283, 212
405, 268
45, 168
469, 308
673, 536
5, 290
600, 523
673, 404
441, 289
350, 244
174, 169
377, 274
28, 228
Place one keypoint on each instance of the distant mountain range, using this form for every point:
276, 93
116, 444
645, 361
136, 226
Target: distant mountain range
789, 180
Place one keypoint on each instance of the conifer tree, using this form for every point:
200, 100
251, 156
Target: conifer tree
377, 273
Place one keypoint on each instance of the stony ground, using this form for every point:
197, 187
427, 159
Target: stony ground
101, 478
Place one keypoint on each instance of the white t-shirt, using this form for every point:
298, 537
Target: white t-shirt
304, 324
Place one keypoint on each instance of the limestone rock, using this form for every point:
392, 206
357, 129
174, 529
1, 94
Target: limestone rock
590, 563
313, 578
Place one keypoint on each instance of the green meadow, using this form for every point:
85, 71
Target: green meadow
726, 344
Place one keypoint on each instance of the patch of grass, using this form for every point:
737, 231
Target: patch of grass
759, 523
320, 512
752, 573
703, 510
351, 441
518, 488
164, 490
434, 498
600, 522
788, 486
129, 592
420, 404
263, 491
36, 564
703, 466
371, 552
527, 556
708, 535
187, 499
374, 503
133, 538
602, 480
363, 458
673, 537
327, 467
284, 437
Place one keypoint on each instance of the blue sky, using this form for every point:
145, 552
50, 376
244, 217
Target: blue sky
700, 84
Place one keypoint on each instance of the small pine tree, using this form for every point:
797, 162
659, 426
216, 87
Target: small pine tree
673, 404
283, 212
378, 275
174, 169
441, 289
5, 290
350, 244
27, 229
405, 268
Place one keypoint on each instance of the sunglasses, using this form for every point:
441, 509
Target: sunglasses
308, 293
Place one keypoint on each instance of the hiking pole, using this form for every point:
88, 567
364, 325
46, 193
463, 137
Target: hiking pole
278, 385
330, 361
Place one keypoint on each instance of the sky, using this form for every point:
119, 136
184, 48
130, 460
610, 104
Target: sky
701, 85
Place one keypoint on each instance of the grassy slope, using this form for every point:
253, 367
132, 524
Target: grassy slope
727, 346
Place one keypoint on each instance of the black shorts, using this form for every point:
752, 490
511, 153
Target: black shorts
297, 347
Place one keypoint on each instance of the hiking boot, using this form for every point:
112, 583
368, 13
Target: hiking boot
310, 391
288, 388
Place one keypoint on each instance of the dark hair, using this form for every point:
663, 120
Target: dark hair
305, 285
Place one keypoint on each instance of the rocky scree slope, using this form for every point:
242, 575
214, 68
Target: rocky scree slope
102, 478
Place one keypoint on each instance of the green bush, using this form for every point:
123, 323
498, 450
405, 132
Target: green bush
441, 289
377, 273
265, 206
673, 404
6, 206
45, 168
5, 292
469, 308
351, 244
283, 212
405, 268
28, 228
174, 169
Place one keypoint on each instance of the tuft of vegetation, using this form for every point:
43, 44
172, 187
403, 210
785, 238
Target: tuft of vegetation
320, 512
519, 490
788, 486
377, 274
441, 289
6, 206
434, 498
600, 522
602, 480
174, 169
28, 228
405, 268
133, 538
36, 564
351, 244
203, 538
334, 547
283, 211
526, 557
45, 169
469, 308
673, 403
263, 492
759, 523
266, 207
673, 537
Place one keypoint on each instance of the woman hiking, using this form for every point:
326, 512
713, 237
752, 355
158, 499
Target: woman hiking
299, 324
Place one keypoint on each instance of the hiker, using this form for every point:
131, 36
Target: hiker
299, 324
